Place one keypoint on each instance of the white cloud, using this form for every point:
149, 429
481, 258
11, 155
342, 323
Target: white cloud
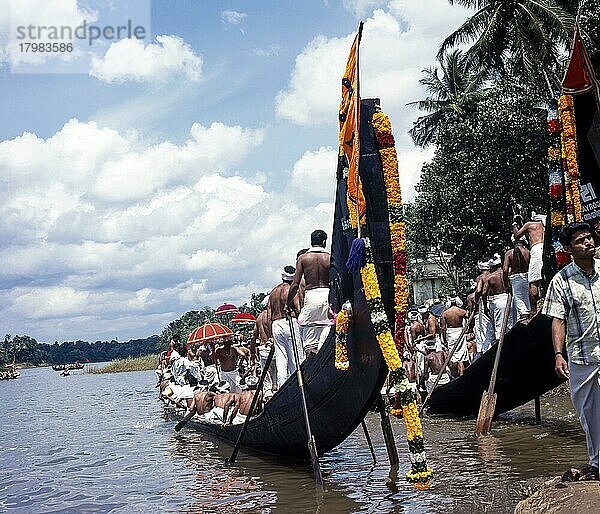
231, 17
361, 8
398, 42
81, 257
272, 51
129, 60
312, 171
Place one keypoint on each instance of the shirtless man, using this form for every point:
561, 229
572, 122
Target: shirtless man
313, 266
227, 358
414, 330
516, 264
205, 401
434, 364
280, 328
260, 346
246, 400
494, 299
230, 403
431, 327
453, 320
534, 230
482, 322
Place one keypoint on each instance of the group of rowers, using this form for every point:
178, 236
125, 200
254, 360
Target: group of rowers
472, 330
218, 380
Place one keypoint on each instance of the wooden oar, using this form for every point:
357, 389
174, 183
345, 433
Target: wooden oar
369, 442
487, 407
312, 447
184, 421
257, 394
448, 357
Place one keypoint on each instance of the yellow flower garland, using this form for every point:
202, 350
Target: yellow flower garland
566, 111
341, 332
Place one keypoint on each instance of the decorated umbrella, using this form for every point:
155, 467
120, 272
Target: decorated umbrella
243, 318
225, 309
208, 332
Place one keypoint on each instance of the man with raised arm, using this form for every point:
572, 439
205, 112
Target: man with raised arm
572, 302
534, 230
285, 363
314, 320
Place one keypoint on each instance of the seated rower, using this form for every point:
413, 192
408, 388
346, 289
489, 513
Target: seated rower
230, 405
314, 320
434, 362
227, 359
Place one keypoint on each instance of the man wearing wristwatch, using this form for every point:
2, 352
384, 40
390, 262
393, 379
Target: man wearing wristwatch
573, 301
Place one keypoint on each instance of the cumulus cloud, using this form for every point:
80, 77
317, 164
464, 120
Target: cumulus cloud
90, 242
398, 42
362, 7
231, 17
129, 60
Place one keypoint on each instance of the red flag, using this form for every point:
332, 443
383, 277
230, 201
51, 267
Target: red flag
579, 77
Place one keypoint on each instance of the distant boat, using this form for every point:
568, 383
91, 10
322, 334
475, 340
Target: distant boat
62, 367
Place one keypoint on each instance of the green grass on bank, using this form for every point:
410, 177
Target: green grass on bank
130, 364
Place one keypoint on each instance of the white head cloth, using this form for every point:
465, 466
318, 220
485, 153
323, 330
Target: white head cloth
288, 277
496, 260
483, 265
538, 217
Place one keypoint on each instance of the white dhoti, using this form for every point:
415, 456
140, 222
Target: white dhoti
520, 287
585, 393
461, 354
422, 347
535, 262
481, 328
496, 305
270, 377
444, 379
233, 379
210, 374
284, 352
314, 321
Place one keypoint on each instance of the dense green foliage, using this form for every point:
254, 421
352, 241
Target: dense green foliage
25, 349
485, 163
129, 364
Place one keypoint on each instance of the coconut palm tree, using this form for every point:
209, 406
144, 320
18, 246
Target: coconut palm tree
454, 89
515, 37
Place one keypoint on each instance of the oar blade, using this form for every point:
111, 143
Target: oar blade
489, 416
314, 457
479, 424
184, 421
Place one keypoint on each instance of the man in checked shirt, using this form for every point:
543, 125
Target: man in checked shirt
573, 301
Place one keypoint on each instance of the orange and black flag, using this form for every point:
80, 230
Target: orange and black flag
349, 139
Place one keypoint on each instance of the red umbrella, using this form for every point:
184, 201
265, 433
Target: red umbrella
226, 308
243, 317
208, 332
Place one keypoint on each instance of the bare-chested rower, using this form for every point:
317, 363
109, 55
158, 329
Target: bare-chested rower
434, 365
314, 320
516, 264
482, 321
534, 230
280, 327
452, 322
260, 346
494, 300
227, 359
431, 327
413, 331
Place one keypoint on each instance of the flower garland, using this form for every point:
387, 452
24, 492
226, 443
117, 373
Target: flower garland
389, 162
566, 112
341, 334
419, 474
556, 184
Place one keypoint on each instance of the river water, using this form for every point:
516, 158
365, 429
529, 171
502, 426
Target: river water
102, 443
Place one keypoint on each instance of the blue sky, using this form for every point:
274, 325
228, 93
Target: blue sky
188, 168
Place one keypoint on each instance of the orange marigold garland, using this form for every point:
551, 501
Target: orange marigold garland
566, 112
405, 404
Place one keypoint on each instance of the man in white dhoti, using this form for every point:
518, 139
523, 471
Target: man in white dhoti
260, 347
454, 318
534, 230
314, 320
516, 265
571, 302
227, 360
494, 300
285, 363
483, 320
434, 366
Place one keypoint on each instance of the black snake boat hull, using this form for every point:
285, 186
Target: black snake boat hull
337, 400
525, 371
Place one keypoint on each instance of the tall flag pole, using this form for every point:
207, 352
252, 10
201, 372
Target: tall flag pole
349, 138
